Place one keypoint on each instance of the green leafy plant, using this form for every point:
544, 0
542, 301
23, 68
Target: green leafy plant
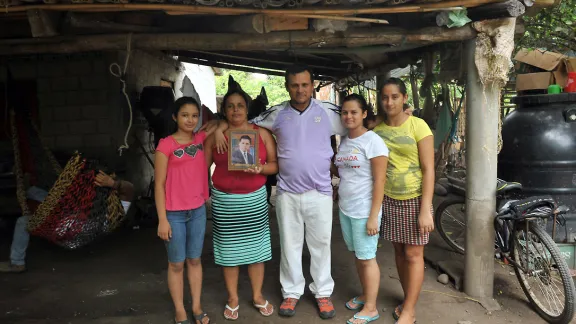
252, 83
553, 29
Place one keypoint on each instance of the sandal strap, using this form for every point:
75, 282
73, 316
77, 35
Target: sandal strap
199, 317
265, 306
356, 301
232, 309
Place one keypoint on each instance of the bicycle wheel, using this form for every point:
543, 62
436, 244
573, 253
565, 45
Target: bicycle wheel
546, 282
450, 221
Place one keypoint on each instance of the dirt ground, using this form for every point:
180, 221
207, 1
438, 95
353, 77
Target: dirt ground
122, 280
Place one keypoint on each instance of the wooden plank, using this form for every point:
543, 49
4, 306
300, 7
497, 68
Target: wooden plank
278, 23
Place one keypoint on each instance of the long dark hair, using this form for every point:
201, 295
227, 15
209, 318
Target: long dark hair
234, 91
401, 87
178, 104
397, 82
363, 105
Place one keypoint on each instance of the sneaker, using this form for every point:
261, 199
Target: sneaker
8, 267
288, 307
326, 307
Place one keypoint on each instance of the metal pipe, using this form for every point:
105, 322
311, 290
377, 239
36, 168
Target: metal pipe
482, 107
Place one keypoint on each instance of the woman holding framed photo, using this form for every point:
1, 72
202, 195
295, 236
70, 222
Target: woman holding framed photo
241, 228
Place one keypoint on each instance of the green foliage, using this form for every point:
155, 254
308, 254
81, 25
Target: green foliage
553, 29
252, 83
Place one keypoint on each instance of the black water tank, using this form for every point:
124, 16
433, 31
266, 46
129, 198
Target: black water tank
539, 149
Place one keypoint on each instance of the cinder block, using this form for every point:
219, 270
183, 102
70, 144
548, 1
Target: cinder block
100, 67
51, 99
73, 142
54, 128
67, 113
50, 141
51, 69
87, 97
100, 97
83, 127
43, 85
97, 140
65, 84
83, 67
23, 70
94, 82
106, 126
46, 114
95, 112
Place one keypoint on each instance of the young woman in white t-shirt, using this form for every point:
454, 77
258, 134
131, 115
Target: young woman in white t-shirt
361, 164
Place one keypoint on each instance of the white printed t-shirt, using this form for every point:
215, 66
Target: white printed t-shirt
356, 180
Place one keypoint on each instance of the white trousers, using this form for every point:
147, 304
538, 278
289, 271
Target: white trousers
305, 215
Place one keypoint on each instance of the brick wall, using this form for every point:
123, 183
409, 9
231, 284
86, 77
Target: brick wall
81, 106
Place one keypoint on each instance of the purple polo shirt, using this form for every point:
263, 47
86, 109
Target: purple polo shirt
304, 148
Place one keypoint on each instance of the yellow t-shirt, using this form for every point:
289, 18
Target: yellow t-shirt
404, 175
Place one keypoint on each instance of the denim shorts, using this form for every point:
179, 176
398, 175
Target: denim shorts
356, 237
188, 229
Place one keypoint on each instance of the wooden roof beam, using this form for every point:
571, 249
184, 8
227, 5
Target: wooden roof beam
246, 68
263, 63
237, 42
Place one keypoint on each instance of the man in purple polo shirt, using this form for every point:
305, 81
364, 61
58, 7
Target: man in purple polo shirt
303, 127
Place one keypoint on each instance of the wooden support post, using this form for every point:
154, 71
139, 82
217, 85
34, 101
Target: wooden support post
41, 23
481, 157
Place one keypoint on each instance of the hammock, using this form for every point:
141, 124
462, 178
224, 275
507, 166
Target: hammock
75, 212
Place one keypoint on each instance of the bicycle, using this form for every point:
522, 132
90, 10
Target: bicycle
522, 242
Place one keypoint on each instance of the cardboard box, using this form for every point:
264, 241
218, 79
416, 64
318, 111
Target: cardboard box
555, 64
570, 64
534, 81
548, 61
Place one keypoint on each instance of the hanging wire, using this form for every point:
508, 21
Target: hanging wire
120, 73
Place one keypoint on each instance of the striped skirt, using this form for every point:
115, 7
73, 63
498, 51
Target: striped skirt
241, 229
400, 221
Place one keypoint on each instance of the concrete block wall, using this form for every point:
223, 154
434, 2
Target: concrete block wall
74, 93
81, 106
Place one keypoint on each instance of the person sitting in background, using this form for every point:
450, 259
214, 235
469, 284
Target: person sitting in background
35, 196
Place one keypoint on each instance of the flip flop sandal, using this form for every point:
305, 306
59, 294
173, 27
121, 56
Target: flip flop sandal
182, 322
263, 309
365, 319
233, 311
397, 312
201, 317
354, 300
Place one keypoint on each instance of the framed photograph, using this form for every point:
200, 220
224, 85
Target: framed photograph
242, 149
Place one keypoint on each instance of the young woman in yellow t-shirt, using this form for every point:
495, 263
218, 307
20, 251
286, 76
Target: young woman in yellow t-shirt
407, 207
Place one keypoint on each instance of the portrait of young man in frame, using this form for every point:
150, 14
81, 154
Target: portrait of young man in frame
243, 152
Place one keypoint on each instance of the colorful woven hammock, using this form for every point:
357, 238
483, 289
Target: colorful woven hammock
75, 212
